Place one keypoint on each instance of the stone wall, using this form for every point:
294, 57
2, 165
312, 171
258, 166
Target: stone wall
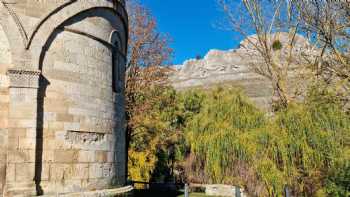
5, 62
224, 190
65, 118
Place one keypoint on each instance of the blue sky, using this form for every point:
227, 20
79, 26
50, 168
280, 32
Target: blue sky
193, 26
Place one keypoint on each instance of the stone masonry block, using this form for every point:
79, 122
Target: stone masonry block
60, 172
17, 132
22, 112
64, 117
24, 172
66, 156
26, 143
80, 171
22, 123
11, 172
95, 170
86, 156
21, 156
101, 156
13, 143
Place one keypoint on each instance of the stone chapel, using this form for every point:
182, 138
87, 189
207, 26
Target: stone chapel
62, 66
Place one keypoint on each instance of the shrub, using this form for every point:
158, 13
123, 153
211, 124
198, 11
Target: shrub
277, 45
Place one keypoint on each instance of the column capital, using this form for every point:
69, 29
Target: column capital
24, 78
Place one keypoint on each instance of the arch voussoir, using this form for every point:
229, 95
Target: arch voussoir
55, 22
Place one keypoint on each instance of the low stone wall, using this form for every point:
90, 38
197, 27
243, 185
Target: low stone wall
224, 190
98, 193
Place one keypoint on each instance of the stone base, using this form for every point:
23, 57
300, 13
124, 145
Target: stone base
26, 191
21, 191
224, 190
99, 193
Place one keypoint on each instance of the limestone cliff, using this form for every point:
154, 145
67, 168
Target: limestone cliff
233, 67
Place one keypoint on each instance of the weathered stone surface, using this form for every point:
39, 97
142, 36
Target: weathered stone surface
233, 67
5, 62
60, 119
101, 193
224, 190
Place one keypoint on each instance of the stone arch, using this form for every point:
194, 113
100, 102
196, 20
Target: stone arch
44, 19
53, 31
48, 24
69, 21
119, 61
10, 29
71, 9
17, 21
5, 48
116, 37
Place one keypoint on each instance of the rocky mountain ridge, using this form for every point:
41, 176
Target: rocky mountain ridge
233, 67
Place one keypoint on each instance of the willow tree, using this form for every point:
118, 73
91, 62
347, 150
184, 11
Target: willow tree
302, 146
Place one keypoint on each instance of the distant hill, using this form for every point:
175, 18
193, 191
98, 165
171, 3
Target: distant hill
232, 67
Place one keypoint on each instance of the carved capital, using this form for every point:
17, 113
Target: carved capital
23, 78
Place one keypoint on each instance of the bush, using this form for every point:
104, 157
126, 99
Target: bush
277, 45
338, 180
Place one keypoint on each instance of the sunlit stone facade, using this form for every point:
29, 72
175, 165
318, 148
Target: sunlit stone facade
62, 65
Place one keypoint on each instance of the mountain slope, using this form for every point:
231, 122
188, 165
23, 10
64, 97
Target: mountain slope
234, 67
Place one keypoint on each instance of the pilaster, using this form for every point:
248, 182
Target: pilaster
22, 131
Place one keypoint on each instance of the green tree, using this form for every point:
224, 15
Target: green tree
233, 142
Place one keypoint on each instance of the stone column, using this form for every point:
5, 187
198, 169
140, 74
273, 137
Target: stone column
22, 132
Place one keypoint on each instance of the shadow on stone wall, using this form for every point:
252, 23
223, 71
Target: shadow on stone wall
43, 83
